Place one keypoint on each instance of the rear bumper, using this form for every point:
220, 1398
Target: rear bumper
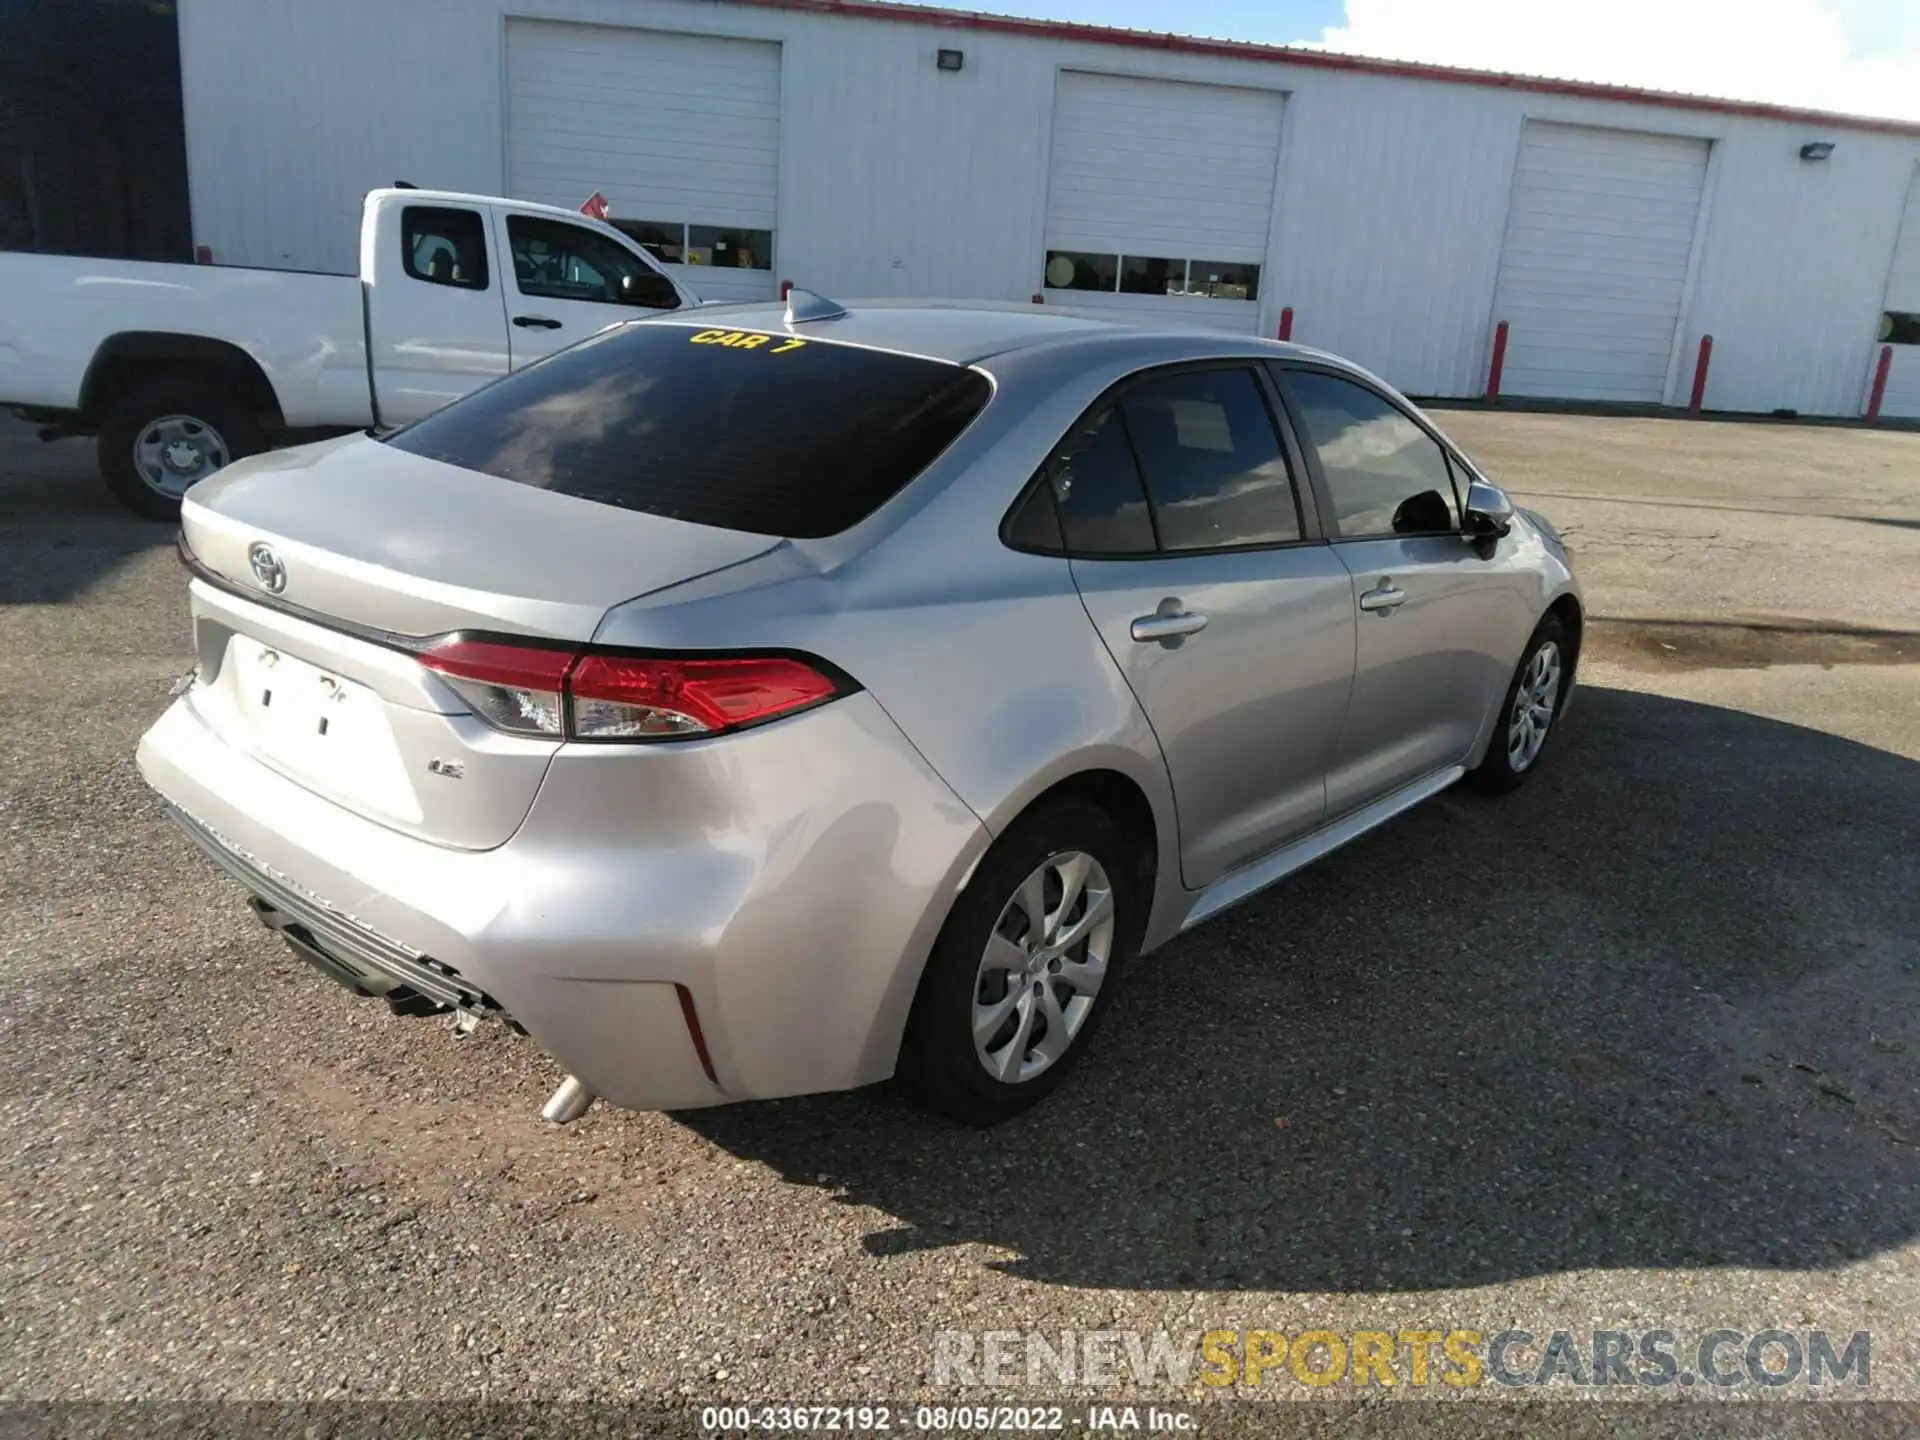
783, 885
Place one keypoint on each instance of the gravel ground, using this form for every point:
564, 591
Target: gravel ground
1633, 1048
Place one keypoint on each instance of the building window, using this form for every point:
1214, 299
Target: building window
675, 242
1223, 279
729, 248
1152, 275
1141, 275
1900, 327
1071, 270
666, 242
444, 247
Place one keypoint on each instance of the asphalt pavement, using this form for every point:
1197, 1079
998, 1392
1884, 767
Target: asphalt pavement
1632, 1048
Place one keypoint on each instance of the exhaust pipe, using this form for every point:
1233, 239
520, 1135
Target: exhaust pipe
568, 1103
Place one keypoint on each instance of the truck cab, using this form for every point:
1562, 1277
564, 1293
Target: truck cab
463, 288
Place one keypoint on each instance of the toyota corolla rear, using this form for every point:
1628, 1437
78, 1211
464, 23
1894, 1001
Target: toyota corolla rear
692, 876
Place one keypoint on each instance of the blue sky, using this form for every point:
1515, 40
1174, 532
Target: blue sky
1861, 56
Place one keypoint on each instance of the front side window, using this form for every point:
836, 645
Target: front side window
744, 430
444, 246
1214, 468
1386, 475
553, 260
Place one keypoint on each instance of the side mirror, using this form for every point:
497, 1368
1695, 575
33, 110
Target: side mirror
1489, 511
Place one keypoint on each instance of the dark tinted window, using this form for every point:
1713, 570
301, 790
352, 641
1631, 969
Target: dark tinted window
1212, 458
1387, 475
763, 433
1075, 270
554, 260
443, 246
1145, 275
1096, 488
663, 239
733, 249
1035, 524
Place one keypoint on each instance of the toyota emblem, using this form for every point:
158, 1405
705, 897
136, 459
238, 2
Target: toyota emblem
267, 568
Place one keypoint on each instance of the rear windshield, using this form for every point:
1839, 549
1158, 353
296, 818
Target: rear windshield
771, 434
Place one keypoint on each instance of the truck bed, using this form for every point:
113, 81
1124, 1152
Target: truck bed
305, 330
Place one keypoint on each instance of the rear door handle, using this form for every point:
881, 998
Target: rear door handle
1168, 624
1384, 599
535, 322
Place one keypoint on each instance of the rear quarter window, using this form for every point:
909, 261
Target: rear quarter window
768, 433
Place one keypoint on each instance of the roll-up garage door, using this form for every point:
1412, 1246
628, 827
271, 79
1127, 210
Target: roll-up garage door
1901, 321
1159, 195
1594, 264
681, 133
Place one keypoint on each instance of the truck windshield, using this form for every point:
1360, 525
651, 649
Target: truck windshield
767, 433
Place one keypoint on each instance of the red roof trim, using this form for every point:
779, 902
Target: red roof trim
1326, 60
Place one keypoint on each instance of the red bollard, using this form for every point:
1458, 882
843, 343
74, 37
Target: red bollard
1038, 298
1700, 374
786, 288
1286, 323
1879, 384
1499, 362
203, 254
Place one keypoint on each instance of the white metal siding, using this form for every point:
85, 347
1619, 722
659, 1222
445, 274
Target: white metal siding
1594, 264
1903, 293
1168, 170
680, 128
901, 179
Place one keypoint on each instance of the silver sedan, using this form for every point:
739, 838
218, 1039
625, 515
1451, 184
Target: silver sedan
775, 700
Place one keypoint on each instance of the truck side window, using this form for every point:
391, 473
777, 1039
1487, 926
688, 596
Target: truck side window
557, 261
444, 247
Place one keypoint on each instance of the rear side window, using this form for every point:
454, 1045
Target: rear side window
444, 246
1212, 458
1096, 488
770, 434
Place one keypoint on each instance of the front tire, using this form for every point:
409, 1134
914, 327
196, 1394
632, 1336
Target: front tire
1527, 714
167, 434
1023, 970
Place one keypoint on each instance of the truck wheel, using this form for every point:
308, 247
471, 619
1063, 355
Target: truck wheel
167, 433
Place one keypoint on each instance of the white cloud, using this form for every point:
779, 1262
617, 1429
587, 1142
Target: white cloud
1786, 52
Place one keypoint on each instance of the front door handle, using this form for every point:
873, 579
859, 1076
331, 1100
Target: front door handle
1383, 599
535, 322
1169, 624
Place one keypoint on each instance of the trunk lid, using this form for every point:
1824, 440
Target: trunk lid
371, 547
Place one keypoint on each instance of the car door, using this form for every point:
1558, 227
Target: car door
435, 324
1213, 591
570, 281
1426, 600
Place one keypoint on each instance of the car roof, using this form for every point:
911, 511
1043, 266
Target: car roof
969, 331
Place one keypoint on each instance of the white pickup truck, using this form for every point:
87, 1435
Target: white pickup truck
180, 368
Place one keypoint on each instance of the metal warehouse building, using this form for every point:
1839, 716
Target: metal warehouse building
1393, 213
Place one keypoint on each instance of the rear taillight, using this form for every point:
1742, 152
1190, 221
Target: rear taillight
564, 694
515, 688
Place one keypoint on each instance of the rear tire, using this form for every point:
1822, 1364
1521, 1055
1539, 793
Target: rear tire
1529, 711
996, 973
167, 433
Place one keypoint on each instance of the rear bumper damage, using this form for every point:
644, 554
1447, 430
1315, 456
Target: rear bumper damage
682, 926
